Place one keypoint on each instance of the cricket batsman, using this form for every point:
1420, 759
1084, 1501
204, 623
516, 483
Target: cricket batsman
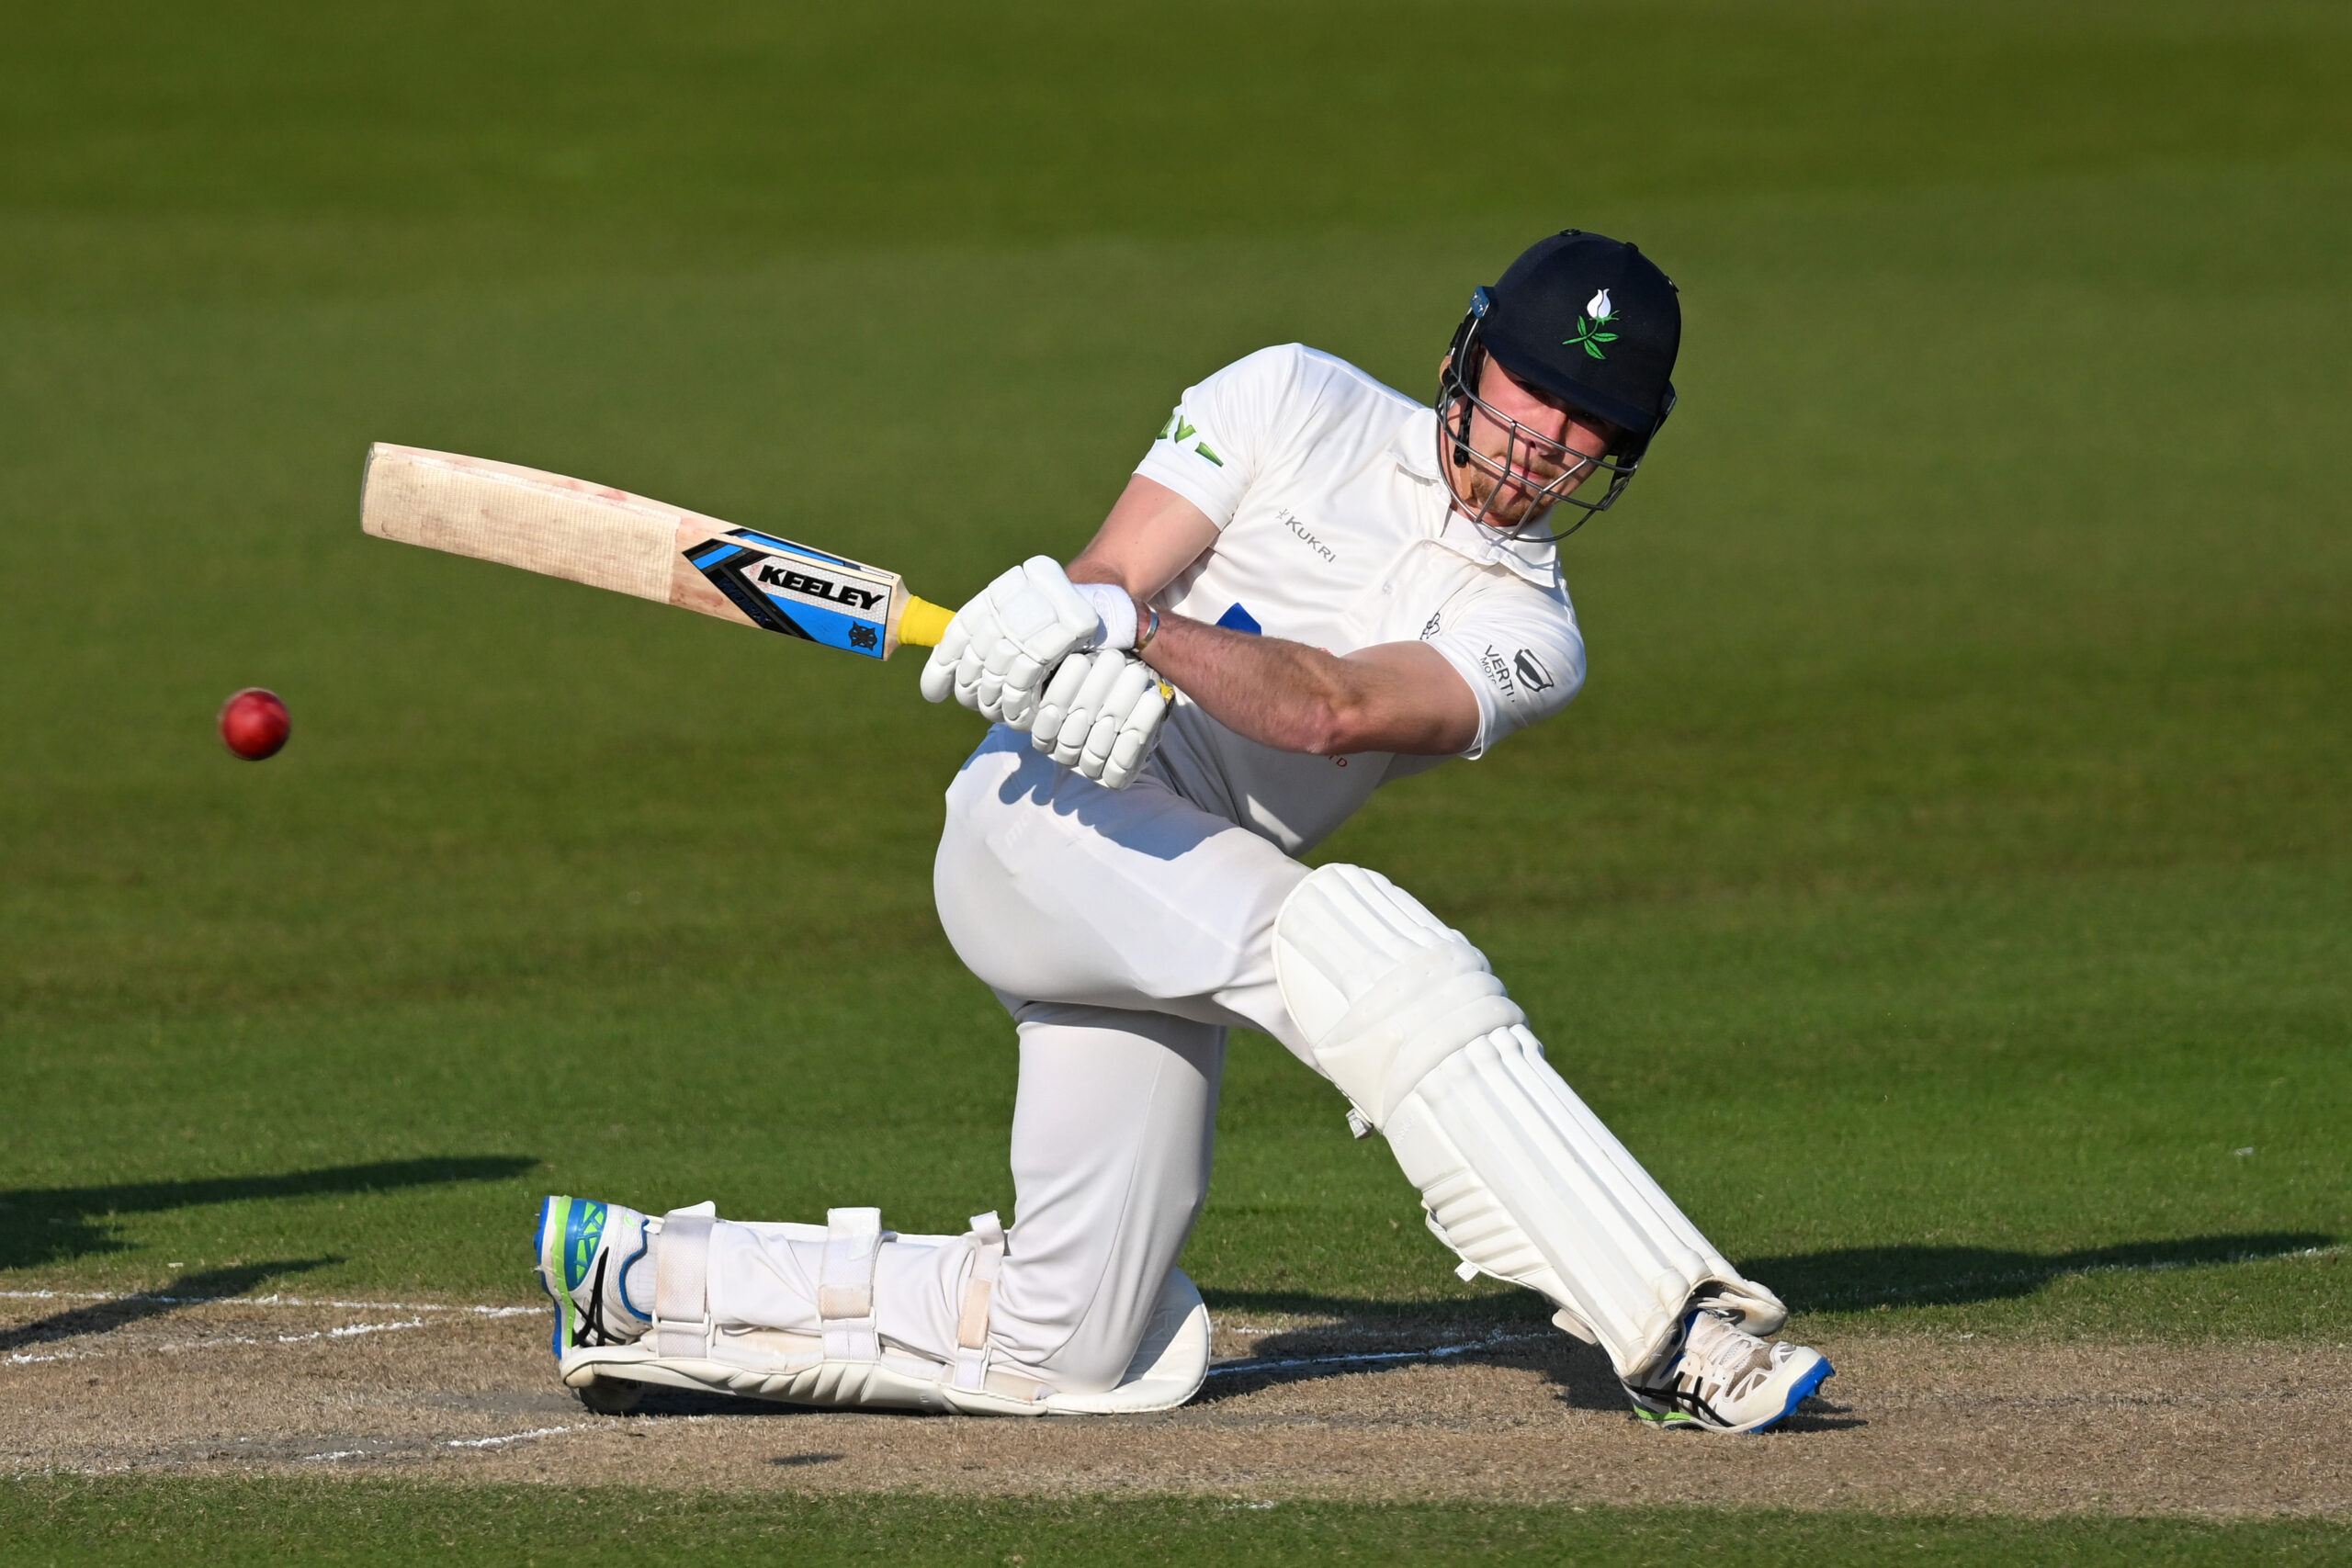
1311, 585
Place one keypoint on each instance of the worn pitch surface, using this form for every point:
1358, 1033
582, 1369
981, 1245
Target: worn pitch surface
1293, 1408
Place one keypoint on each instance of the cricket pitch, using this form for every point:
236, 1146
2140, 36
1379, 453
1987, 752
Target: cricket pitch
1293, 1408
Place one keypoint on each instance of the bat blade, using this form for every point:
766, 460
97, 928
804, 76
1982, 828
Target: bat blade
608, 538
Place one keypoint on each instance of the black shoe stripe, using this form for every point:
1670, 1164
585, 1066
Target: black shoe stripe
592, 1319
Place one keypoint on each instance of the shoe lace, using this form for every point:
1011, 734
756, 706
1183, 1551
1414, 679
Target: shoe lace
1724, 1351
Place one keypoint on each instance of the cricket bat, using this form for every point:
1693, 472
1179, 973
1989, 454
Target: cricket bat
609, 538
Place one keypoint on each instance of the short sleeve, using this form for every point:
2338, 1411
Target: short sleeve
1224, 430
1519, 647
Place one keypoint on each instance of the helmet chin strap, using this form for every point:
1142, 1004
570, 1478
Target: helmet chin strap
1464, 362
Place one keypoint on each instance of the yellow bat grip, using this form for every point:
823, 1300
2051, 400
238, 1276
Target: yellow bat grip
923, 623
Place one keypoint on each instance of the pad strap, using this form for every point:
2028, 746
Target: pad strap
845, 1288
682, 1281
979, 1290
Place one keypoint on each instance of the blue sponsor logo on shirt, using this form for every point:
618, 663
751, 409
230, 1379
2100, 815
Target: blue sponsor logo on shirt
1240, 620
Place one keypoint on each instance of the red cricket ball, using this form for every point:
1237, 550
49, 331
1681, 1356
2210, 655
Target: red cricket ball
255, 724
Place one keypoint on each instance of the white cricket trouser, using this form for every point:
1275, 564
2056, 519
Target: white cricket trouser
1110, 1133
1125, 930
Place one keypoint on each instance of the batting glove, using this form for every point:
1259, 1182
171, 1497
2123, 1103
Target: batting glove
1000, 648
1100, 715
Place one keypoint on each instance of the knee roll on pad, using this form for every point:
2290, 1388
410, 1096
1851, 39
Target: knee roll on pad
1516, 1174
1382, 989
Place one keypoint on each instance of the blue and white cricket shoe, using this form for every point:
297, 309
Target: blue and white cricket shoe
591, 1260
1727, 1379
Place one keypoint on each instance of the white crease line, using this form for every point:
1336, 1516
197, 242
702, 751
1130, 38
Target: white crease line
452, 1443
353, 1331
358, 1328
509, 1437
1429, 1355
264, 1301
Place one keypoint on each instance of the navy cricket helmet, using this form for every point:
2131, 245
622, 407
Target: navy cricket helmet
1582, 319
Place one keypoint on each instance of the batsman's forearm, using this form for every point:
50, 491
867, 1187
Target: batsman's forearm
1279, 694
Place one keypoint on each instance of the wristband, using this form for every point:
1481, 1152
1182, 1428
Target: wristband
1150, 632
1114, 609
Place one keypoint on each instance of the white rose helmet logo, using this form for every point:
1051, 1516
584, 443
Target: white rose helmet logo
1597, 313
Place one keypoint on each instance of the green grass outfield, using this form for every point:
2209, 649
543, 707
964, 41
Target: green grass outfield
1945, 881
63, 1523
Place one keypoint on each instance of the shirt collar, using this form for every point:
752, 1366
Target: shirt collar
1415, 448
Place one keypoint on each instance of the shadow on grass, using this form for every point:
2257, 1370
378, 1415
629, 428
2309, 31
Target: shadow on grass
188, 1290
1841, 1279
1850, 1278
1361, 1335
1471, 1314
55, 1225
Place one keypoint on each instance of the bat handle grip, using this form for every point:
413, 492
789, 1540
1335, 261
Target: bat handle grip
923, 623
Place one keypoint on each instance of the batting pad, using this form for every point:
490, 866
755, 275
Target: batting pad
1516, 1173
849, 1366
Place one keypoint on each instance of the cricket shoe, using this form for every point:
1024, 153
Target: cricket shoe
1724, 1379
591, 1256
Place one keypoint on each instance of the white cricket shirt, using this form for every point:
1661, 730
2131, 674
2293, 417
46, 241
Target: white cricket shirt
1337, 532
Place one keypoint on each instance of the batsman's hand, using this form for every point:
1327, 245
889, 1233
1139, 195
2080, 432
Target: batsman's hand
1100, 715
1000, 648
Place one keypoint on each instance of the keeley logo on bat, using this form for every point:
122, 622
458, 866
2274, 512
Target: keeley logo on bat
784, 593
771, 575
